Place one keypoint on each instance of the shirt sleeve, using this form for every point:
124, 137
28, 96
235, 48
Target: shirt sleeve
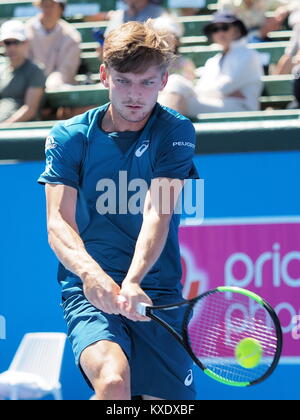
37, 78
175, 155
64, 155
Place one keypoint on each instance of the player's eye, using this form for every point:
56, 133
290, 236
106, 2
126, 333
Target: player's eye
122, 81
148, 83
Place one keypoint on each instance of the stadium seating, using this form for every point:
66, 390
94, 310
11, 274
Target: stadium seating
278, 90
200, 54
278, 115
9, 8
279, 87
77, 96
224, 137
270, 53
250, 116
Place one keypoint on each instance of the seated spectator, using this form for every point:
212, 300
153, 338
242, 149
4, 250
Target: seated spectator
22, 82
189, 11
54, 43
291, 58
182, 65
289, 63
230, 81
294, 18
253, 14
137, 10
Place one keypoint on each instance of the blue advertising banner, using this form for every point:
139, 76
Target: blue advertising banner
236, 186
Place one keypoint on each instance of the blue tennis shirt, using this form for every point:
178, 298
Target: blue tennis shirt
81, 155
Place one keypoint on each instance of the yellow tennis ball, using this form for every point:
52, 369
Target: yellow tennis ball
248, 353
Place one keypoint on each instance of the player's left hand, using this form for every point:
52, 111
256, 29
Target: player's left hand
130, 295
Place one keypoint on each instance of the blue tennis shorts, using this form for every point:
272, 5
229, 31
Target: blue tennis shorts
159, 365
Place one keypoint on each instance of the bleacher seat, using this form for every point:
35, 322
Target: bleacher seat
278, 92
14, 8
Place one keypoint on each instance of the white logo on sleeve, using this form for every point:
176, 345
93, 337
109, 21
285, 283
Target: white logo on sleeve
189, 379
142, 149
50, 143
184, 144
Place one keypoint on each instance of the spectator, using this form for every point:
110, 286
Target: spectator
290, 61
189, 11
137, 10
22, 82
253, 14
182, 65
294, 18
230, 81
54, 43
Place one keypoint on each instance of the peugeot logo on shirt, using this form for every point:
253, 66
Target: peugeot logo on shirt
142, 149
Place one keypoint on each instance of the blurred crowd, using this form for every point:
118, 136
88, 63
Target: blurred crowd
42, 54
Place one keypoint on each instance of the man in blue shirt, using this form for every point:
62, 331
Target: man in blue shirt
135, 10
96, 164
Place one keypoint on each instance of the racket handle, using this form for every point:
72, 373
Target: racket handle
141, 308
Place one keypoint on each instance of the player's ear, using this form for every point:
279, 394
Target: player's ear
104, 75
164, 80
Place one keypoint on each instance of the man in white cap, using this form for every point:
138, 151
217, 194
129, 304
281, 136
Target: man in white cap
54, 43
22, 82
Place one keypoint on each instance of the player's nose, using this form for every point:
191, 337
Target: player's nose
134, 93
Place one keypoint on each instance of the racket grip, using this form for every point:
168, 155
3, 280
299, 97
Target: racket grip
141, 308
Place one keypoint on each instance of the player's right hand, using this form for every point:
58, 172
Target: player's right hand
102, 292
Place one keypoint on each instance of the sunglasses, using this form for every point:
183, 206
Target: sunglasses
220, 28
9, 43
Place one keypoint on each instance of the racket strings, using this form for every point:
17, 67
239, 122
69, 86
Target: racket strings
219, 322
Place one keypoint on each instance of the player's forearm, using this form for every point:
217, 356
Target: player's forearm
149, 246
70, 250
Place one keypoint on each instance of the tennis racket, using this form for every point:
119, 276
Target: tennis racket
214, 324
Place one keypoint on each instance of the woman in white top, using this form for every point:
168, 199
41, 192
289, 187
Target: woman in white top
229, 82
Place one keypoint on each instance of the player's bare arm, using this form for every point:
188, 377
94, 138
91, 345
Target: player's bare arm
158, 210
64, 239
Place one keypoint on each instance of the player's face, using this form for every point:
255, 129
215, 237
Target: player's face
132, 95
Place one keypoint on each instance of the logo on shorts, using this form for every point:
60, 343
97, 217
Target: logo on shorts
141, 150
189, 379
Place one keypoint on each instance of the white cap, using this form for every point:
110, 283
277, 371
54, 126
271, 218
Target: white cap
168, 23
13, 29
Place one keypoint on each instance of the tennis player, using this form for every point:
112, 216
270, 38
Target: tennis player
106, 250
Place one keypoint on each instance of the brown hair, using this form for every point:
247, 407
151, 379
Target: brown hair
134, 46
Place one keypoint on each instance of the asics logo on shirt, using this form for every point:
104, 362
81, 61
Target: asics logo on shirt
142, 149
50, 143
189, 379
